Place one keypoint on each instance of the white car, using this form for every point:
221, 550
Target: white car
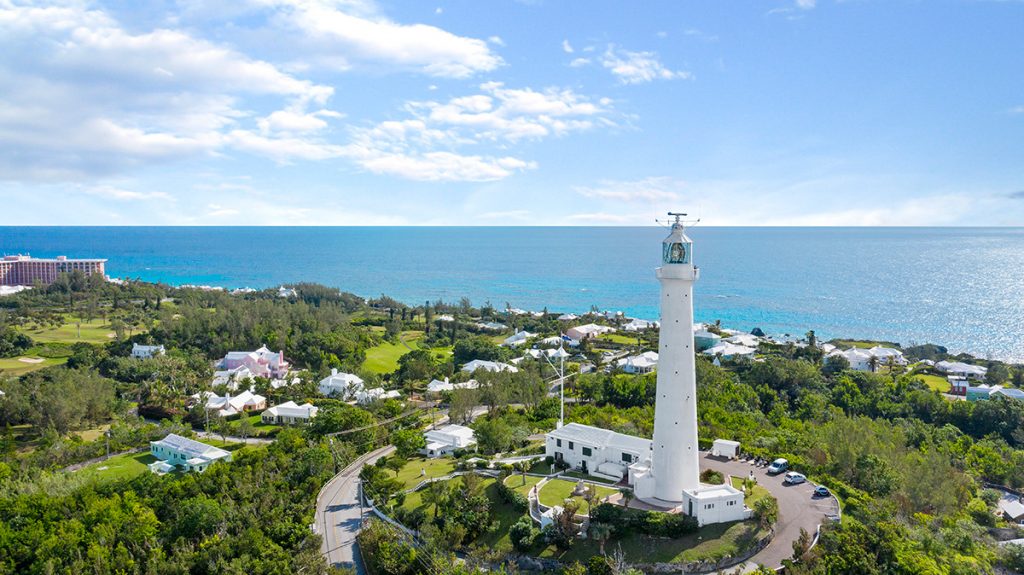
794, 478
778, 466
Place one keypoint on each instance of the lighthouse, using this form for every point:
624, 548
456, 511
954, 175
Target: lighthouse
674, 459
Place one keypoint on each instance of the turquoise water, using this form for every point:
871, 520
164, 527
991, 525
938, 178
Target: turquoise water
959, 287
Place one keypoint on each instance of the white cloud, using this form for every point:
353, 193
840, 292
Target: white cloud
648, 190
496, 40
506, 215
429, 144
805, 4
341, 35
1017, 110
219, 211
81, 96
567, 47
109, 192
579, 62
637, 67
600, 218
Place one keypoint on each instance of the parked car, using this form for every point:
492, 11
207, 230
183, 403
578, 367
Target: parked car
794, 478
822, 491
778, 466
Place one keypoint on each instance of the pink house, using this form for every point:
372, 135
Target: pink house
261, 363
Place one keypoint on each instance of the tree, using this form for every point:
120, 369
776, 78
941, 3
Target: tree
437, 494
766, 510
493, 435
627, 496
245, 427
600, 532
407, 442
802, 545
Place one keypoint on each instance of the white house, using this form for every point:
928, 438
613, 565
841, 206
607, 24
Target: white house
639, 325
703, 339
233, 377
859, 359
885, 355
744, 339
962, 369
369, 396
984, 391
582, 332
715, 504
495, 366
230, 405
287, 292
645, 362
447, 439
518, 338
147, 351
725, 448
730, 351
445, 317
437, 386
342, 385
568, 317
490, 325
262, 362
289, 413
188, 454
596, 451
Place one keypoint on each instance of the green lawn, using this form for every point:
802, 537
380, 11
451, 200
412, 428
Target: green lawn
556, 491
757, 494
541, 467
618, 338
121, 466
588, 477
504, 514
935, 382
96, 331
383, 358
863, 344
516, 482
712, 541
14, 365
412, 473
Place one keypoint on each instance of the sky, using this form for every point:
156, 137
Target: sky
512, 112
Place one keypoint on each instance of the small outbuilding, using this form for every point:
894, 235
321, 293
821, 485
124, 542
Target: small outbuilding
725, 448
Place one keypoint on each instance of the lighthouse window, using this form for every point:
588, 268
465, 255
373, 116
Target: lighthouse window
627, 457
571, 446
558, 442
587, 452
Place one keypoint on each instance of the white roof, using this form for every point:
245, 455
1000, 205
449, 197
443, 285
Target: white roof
518, 337
137, 347
730, 350
644, 360
727, 442
598, 437
340, 379
959, 367
291, 409
744, 339
456, 431
476, 364
568, 317
190, 447
591, 328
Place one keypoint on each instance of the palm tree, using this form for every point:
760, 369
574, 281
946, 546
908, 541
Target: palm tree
873, 364
600, 532
627, 496
589, 495
437, 494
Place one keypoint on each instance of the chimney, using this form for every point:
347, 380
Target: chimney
334, 371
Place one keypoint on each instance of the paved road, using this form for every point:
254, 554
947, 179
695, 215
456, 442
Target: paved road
338, 513
233, 439
797, 509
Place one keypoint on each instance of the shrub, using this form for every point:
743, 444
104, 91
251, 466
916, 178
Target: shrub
550, 459
513, 497
523, 534
607, 513
662, 524
712, 477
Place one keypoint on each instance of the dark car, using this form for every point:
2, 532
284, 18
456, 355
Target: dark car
822, 491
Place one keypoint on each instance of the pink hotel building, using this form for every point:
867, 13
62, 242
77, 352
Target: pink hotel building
21, 270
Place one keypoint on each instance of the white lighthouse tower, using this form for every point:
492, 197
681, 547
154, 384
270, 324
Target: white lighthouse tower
675, 461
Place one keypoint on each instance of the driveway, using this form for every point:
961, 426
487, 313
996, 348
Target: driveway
797, 509
339, 514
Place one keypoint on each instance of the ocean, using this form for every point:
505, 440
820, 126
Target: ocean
958, 287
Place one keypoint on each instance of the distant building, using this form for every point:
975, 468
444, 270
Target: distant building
518, 338
147, 351
438, 386
645, 362
261, 363
232, 404
639, 325
727, 350
24, 270
233, 378
494, 366
344, 386
181, 452
582, 332
289, 413
568, 317
287, 292
989, 391
369, 396
961, 369
703, 339
447, 439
